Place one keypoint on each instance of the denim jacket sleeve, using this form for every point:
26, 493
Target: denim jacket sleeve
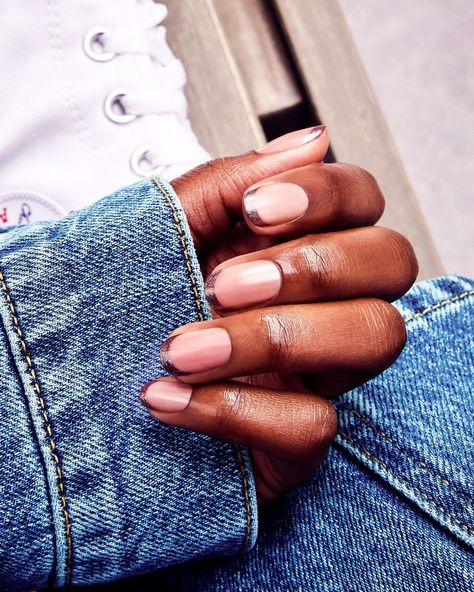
91, 487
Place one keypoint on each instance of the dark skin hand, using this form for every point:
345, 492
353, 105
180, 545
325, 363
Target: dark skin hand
301, 309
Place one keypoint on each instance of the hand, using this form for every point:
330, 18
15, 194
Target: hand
295, 322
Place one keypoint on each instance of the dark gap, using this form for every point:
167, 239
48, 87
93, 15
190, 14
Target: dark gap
287, 120
298, 116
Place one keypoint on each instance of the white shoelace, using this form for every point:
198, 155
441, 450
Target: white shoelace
123, 106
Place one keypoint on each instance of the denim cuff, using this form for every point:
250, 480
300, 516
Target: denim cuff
106, 490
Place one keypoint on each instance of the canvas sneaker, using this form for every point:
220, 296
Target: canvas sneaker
91, 100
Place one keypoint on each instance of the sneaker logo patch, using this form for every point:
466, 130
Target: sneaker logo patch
18, 208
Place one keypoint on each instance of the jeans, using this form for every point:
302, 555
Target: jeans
92, 489
391, 509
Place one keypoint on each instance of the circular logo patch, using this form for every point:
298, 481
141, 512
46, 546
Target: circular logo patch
24, 207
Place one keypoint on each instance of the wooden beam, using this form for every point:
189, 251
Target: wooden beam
260, 55
340, 91
220, 109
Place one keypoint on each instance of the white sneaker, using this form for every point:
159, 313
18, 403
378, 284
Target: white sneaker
91, 99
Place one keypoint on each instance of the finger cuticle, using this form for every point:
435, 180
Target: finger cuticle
243, 285
166, 395
274, 204
196, 351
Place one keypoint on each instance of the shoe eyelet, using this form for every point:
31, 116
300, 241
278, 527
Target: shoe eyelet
114, 109
138, 158
92, 40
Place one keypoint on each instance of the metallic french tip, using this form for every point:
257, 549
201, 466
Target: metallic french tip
252, 213
210, 291
143, 399
166, 359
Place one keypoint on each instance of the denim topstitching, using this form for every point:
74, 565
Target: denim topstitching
424, 465
201, 318
437, 305
410, 485
52, 443
421, 463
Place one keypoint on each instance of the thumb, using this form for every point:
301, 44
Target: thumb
211, 194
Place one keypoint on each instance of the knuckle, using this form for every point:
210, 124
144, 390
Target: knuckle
333, 179
386, 332
366, 176
372, 193
404, 255
317, 429
233, 408
315, 261
226, 172
327, 420
279, 337
354, 189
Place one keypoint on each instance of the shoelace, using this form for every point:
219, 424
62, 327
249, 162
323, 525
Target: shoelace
122, 106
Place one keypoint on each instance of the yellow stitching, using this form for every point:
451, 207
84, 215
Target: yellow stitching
52, 443
422, 464
407, 483
201, 318
438, 305
185, 249
247, 497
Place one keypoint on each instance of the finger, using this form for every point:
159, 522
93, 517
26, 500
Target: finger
371, 261
364, 335
212, 193
314, 197
294, 427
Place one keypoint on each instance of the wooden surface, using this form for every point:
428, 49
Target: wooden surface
222, 51
340, 91
260, 55
220, 109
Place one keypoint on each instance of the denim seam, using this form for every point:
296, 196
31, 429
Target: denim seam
47, 423
197, 299
408, 453
407, 483
437, 305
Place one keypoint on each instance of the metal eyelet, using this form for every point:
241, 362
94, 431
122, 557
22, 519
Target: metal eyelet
138, 158
92, 40
114, 108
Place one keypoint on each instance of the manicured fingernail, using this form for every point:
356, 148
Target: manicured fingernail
244, 285
275, 203
196, 351
293, 140
166, 395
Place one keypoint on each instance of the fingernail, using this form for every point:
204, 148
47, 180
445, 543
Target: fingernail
244, 285
275, 203
166, 395
292, 140
196, 351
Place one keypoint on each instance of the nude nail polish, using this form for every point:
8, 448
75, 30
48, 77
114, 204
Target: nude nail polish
244, 285
166, 395
275, 203
292, 140
196, 351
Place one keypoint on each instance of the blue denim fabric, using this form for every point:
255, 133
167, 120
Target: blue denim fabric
91, 487
391, 509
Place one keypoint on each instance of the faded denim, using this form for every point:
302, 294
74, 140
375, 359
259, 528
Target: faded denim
392, 507
92, 488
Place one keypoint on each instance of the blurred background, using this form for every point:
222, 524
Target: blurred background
420, 60
394, 82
